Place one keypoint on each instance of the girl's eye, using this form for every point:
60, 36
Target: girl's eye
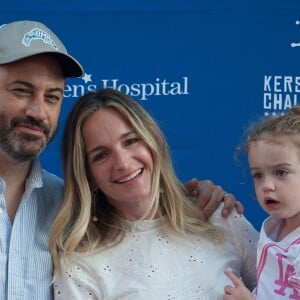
281, 173
257, 176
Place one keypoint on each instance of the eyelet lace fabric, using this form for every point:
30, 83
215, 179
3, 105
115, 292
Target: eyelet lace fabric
152, 262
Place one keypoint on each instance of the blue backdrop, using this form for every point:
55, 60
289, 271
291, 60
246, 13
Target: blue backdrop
203, 69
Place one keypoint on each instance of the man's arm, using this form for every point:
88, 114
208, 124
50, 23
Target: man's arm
209, 196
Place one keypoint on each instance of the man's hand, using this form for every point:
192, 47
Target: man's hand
209, 196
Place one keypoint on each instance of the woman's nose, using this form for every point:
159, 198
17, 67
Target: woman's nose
121, 160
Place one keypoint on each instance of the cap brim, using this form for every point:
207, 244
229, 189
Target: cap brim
71, 67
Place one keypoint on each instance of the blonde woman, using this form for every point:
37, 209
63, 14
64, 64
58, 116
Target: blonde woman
126, 228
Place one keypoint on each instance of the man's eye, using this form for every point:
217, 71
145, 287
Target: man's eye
21, 91
53, 98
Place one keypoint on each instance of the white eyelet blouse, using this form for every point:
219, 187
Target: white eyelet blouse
154, 263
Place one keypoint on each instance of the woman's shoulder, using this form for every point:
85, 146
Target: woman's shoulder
234, 224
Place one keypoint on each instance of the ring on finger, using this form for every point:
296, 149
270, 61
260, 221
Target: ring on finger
225, 195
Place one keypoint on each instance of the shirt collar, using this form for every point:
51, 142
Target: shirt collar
34, 178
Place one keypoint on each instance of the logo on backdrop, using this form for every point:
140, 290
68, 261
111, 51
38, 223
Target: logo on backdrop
281, 91
296, 44
138, 90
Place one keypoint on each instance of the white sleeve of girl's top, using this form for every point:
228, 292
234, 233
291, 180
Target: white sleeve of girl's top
77, 283
243, 236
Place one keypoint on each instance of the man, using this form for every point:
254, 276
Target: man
33, 66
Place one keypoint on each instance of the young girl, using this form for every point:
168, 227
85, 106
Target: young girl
273, 148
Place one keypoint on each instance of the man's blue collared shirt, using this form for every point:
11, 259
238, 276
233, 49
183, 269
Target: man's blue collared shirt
25, 262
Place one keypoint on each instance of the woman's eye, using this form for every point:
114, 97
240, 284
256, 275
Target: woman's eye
99, 156
131, 141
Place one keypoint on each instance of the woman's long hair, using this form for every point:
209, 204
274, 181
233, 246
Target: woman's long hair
73, 229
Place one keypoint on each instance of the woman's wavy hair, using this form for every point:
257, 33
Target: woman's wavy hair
74, 229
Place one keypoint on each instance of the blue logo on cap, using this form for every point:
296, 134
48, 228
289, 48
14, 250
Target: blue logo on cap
38, 34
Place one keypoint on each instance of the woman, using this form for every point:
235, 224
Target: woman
126, 229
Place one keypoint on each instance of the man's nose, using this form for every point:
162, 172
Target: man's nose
36, 109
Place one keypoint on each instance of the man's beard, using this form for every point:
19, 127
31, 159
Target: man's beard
19, 145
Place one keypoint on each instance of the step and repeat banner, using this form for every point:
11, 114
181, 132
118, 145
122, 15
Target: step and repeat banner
203, 69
